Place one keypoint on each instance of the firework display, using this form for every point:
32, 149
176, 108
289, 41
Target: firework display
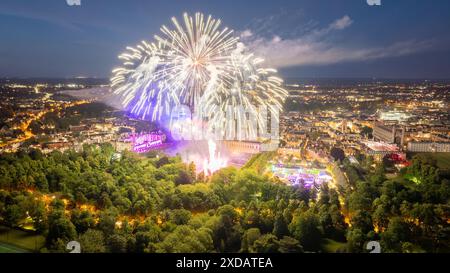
200, 64
214, 162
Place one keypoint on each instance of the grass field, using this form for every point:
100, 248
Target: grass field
442, 159
259, 161
12, 240
7, 248
331, 246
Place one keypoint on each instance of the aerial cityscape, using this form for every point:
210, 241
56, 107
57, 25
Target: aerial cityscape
205, 131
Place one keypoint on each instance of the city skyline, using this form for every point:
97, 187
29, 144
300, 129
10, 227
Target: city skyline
301, 38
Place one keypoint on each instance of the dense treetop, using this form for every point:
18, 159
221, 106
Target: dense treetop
159, 204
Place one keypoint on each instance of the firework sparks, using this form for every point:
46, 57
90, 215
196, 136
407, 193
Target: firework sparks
214, 162
200, 64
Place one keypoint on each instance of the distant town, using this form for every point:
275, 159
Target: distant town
369, 117
346, 149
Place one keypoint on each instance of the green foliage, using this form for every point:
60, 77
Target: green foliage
180, 216
305, 227
158, 204
289, 245
92, 241
366, 131
395, 235
184, 239
60, 228
280, 227
355, 240
267, 243
117, 243
337, 153
82, 220
249, 237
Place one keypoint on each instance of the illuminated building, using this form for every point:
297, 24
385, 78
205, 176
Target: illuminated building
143, 143
429, 147
396, 116
381, 149
246, 147
389, 134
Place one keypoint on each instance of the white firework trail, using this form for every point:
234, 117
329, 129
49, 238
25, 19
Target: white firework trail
200, 64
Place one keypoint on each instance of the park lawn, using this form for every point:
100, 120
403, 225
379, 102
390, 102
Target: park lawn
331, 246
7, 248
20, 240
259, 162
442, 159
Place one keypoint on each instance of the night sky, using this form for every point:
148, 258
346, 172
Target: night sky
336, 38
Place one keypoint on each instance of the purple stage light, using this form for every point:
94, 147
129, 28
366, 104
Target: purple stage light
143, 143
